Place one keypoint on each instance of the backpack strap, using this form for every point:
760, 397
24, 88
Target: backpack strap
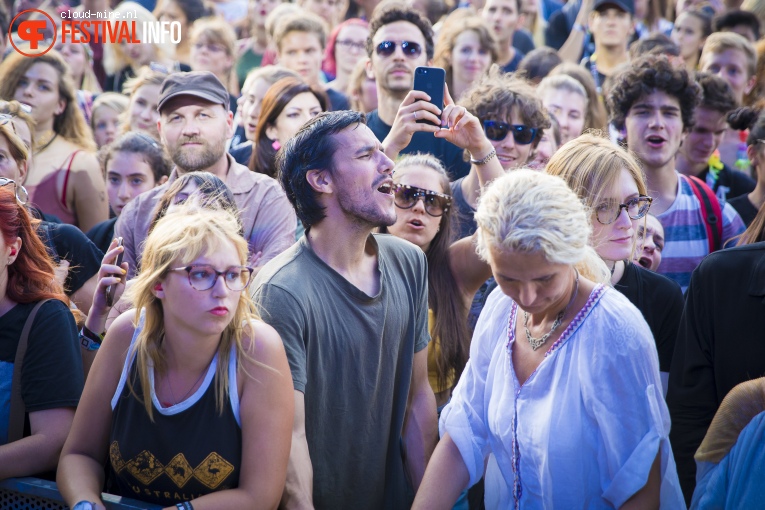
710, 210
18, 411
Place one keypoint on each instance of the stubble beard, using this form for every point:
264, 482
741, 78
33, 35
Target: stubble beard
364, 210
190, 161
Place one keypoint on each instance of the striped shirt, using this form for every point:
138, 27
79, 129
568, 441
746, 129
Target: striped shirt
686, 234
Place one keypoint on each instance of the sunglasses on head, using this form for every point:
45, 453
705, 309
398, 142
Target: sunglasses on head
497, 131
388, 48
436, 204
21, 193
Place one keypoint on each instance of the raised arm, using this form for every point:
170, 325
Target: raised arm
468, 269
414, 107
571, 51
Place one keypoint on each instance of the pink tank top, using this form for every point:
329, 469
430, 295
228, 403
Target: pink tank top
45, 197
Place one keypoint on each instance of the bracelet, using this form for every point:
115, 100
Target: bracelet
88, 340
578, 27
186, 505
485, 159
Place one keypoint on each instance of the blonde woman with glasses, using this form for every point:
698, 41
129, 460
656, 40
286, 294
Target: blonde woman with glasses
201, 413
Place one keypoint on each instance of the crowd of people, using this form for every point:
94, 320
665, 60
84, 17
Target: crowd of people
259, 269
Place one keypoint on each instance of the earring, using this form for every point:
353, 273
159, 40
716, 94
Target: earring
276, 145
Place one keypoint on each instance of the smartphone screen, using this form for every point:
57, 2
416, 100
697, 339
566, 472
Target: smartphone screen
431, 80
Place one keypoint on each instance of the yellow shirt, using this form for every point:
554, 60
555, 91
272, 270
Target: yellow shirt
434, 350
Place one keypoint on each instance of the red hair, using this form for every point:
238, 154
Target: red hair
330, 64
30, 277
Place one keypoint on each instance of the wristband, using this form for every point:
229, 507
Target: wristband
184, 506
88, 340
578, 27
485, 159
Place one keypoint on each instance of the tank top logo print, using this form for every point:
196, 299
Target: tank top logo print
145, 468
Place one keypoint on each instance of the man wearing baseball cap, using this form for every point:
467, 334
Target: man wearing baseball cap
612, 25
194, 125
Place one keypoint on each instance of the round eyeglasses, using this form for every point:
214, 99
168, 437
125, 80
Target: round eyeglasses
636, 208
21, 193
203, 277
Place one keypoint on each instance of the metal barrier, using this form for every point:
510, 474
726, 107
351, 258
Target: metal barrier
38, 494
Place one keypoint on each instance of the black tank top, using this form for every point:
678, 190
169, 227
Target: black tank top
188, 451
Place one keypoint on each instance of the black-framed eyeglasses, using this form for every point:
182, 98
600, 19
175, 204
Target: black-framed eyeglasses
636, 208
497, 131
388, 48
351, 45
203, 276
20, 191
405, 197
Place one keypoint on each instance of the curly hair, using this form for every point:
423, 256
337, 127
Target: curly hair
646, 76
497, 94
388, 13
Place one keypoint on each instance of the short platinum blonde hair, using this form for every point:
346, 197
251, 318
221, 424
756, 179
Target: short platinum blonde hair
527, 211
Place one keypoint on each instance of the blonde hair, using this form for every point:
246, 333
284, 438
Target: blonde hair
591, 166
117, 102
532, 212
114, 59
355, 85
306, 22
457, 23
719, 42
145, 76
562, 82
216, 30
177, 239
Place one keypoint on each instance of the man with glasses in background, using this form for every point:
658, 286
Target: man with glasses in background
401, 40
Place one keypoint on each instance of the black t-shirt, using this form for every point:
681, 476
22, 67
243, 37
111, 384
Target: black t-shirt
466, 225
522, 41
102, 234
661, 302
67, 242
52, 375
729, 184
449, 154
512, 66
744, 208
337, 101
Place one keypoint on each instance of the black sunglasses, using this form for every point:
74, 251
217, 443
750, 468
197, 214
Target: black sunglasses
388, 48
436, 204
497, 131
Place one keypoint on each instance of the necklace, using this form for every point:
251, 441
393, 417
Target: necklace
44, 146
536, 343
170, 387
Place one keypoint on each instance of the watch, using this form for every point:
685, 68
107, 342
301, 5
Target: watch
84, 505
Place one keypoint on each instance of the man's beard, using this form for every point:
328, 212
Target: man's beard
364, 210
190, 160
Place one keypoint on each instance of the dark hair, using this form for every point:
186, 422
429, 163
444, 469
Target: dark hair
30, 277
138, 143
655, 44
276, 99
213, 192
731, 19
538, 63
312, 148
4, 21
705, 18
647, 75
388, 13
716, 93
751, 118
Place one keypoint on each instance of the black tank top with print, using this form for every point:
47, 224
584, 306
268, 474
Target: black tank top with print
188, 451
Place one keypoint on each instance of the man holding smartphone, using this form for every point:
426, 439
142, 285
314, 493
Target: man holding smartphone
402, 40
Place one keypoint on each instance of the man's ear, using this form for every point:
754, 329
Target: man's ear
750, 84
229, 123
751, 153
320, 181
370, 70
162, 180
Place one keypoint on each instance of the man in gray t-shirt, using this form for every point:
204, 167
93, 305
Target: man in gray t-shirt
351, 308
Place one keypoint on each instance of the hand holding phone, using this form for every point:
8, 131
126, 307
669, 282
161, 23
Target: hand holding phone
111, 289
431, 80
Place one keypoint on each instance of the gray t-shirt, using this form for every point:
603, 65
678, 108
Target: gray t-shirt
352, 357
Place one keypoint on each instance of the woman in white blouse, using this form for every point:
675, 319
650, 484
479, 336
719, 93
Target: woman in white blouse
560, 405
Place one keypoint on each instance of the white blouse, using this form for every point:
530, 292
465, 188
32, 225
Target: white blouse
583, 430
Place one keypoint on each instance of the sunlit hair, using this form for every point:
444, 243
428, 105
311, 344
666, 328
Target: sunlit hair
282, 11
454, 26
498, 94
145, 76
444, 299
14, 109
112, 100
304, 21
70, 123
563, 82
270, 74
30, 277
596, 111
525, 211
114, 58
177, 240
211, 193
216, 30
719, 42
591, 166
16, 147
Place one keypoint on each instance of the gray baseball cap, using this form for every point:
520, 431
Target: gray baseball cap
202, 84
